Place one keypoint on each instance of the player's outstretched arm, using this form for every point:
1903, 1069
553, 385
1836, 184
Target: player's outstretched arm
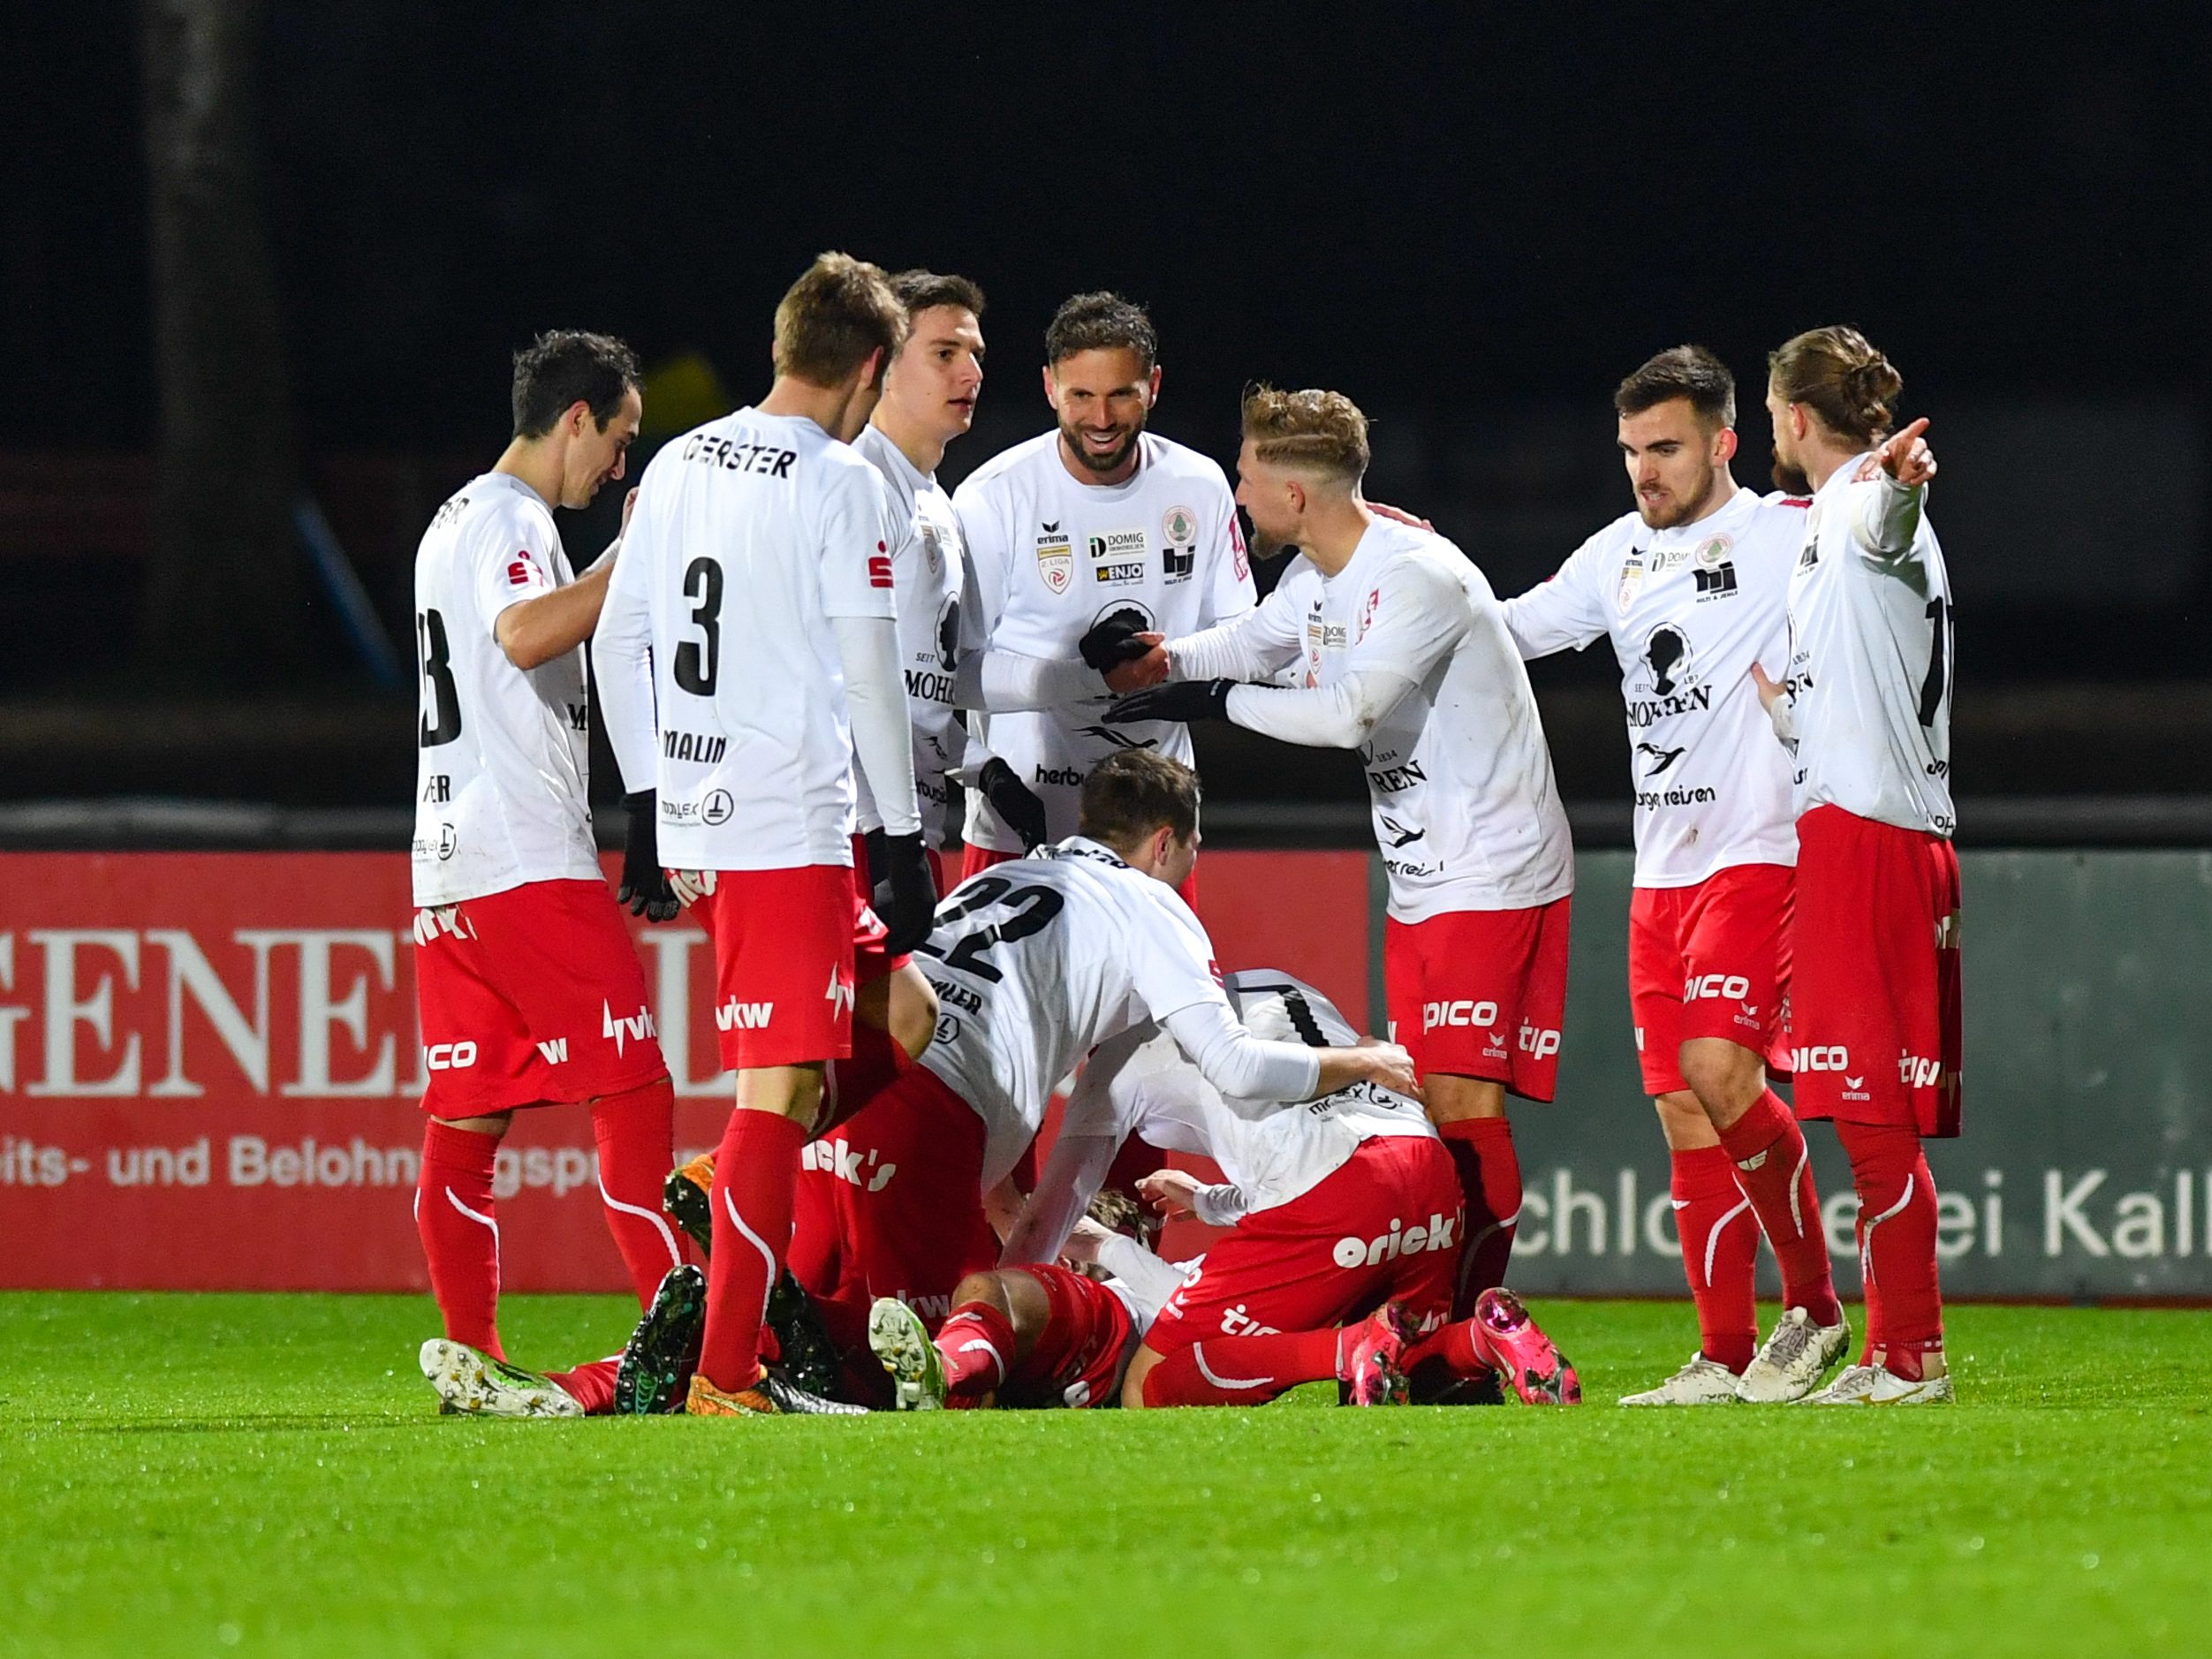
1889, 489
1091, 1133
534, 632
1246, 1067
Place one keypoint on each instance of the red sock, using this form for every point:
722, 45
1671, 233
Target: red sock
591, 1385
459, 1228
976, 1344
1241, 1370
1774, 1170
1489, 1174
875, 1063
756, 1168
636, 1133
1720, 1249
1897, 1243
1454, 1346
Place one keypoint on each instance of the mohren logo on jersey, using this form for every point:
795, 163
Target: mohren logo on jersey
1056, 558
1390, 780
1440, 1232
693, 745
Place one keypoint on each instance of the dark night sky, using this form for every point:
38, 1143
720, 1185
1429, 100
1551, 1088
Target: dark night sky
1417, 203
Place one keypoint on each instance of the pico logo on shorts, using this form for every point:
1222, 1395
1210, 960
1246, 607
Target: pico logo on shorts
1439, 1234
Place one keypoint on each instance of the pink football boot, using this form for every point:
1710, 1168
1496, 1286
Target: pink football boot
1506, 1337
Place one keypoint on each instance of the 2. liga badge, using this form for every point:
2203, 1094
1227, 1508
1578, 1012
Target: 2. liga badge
1056, 558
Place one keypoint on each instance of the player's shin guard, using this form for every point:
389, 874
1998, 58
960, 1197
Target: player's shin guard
459, 1228
1897, 1244
755, 1170
1720, 1252
1482, 1154
1774, 1170
1241, 1370
976, 1346
636, 1133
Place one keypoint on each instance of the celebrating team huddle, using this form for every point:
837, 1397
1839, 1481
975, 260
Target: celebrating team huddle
822, 674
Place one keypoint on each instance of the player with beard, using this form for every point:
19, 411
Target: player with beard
1866, 712
1691, 589
1082, 539
1401, 652
530, 990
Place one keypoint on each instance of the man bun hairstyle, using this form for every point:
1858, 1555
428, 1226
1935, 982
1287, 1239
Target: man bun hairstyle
563, 368
827, 322
920, 290
1133, 792
1836, 373
1313, 431
1689, 372
1101, 323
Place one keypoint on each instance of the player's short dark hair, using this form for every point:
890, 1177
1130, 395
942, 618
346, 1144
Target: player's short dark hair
920, 291
1135, 791
1688, 372
1839, 375
840, 312
1101, 323
563, 368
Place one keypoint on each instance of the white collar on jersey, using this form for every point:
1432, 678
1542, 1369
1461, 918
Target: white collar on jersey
1082, 848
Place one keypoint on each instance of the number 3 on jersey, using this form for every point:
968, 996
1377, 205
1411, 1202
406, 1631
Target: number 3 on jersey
1030, 910
699, 660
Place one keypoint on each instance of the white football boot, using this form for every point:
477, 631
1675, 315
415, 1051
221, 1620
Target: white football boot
1878, 1385
1788, 1364
902, 1345
475, 1384
1702, 1381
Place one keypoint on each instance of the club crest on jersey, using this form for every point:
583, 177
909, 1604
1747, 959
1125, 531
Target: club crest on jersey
931, 552
1179, 537
1056, 558
1712, 553
1632, 584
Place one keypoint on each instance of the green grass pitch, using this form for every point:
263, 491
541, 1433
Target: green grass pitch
267, 1475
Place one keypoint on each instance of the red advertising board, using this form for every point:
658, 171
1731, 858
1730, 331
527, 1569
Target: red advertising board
209, 1072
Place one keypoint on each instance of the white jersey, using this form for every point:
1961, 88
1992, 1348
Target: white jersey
929, 578
1038, 961
1272, 1152
501, 776
1466, 811
1689, 610
751, 533
1052, 557
1870, 657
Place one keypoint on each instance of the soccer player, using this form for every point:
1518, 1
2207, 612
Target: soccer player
1401, 652
1338, 1206
749, 651
528, 989
1035, 964
1094, 532
1866, 710
1692, 588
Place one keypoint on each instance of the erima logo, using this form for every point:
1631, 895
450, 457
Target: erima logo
1836, 1059
638, 1025
1436, 1014
736, 1016
1734, 986
839, 995
450, 1056
1356, 1252
556, 1052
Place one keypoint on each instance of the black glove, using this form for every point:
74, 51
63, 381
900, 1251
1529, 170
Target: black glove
644, 887
1112, 640
1015, 803
879, 859
912, 894
1183, 699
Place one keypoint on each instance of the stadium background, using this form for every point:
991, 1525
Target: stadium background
305, 320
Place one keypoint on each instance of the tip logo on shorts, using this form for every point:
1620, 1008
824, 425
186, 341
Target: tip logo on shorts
1439, 1234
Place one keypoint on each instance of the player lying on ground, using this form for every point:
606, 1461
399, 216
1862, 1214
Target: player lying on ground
748, 652
1036, 963
1865, 713
530, 991
1398, 649
1692, 588
1338, 1206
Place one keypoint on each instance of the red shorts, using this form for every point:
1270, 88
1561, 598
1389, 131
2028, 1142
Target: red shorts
1711, 960
1388, 1223
904, 1180
1085, 1347
975, 860
534, 996
784, 980
1481, 993
870, 960
1873, 997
